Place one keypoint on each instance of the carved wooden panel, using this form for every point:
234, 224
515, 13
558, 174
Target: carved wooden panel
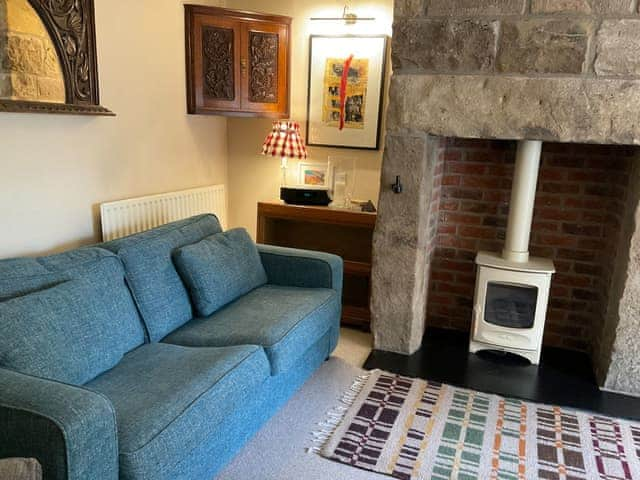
218, 72
237, 62
263, 67
71, 25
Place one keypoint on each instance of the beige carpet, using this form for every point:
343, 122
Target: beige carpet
278, 451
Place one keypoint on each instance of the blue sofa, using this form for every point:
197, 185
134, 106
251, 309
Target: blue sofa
105, 373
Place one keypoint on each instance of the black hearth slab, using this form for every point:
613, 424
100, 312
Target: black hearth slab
563, 378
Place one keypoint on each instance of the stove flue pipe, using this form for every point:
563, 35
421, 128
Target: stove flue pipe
523, 196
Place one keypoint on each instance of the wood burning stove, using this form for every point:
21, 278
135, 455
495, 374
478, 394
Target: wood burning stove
512, 289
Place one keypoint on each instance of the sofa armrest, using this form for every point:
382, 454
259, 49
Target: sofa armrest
301, 268
69, 430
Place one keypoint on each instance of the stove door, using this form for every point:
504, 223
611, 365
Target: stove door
511, 305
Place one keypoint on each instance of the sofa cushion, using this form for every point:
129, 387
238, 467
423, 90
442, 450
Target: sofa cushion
19, 276
159, 292
71, 332
286, 321
169, 400
219, 269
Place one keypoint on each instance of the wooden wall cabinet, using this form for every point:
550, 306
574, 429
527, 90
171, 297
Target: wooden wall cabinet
238, 63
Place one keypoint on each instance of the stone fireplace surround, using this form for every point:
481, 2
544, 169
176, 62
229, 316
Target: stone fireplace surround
561, 71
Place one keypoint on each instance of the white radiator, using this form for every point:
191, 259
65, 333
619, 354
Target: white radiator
135, 215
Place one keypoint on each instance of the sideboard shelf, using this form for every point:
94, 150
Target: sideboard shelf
347, 233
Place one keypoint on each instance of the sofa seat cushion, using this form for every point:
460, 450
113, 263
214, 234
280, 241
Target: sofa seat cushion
169, 399
159, 292
220, 269
286, 321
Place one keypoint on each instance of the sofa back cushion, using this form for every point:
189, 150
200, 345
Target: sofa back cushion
19, 276
220, 269
101, 268
159, 292
70, 332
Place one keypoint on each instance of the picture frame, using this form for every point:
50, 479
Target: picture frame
315, 174
345, 105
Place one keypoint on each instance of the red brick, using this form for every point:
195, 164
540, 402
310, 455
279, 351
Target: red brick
451, 180
584, 230
500, 170
479, 156
460, 218
545, 227
572, 280
554, 174
467, 168
477, 232
438, 275
449, 205
455, 265
553, 187
479, 207
478, 181
565, 161
496, 196
592, 244
462, 194
558, 214
556, 240
458, 289
447, 229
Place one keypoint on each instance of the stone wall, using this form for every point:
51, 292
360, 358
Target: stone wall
29, 66
551, 70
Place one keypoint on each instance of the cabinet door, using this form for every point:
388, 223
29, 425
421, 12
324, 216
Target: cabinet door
265, 69
214, 46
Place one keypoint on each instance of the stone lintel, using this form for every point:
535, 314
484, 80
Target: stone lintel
564, 109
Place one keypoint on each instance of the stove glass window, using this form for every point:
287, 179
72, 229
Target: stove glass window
512, 306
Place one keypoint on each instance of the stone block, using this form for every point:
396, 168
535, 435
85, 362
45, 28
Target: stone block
24, 86
409, 8
618, 48
475, 7
620, 363
544, 46
445, 45
400, 244
564, 109
51, 90
612, 6
560, 6
25, 55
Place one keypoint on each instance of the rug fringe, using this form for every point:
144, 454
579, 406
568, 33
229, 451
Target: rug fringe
335, 416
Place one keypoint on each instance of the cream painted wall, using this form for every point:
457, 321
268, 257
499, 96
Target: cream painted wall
55, 170
252, 177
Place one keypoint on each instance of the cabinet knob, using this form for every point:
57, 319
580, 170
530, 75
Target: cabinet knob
243, 66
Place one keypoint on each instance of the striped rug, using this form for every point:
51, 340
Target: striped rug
413, 430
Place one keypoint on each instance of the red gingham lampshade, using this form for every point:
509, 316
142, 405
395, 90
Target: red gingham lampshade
285, 141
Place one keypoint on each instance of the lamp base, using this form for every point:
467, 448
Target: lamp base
305, 196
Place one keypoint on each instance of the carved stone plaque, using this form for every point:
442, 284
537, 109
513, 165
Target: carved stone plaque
218, 71
263, 67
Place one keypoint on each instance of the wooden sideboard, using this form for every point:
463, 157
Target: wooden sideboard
346, 233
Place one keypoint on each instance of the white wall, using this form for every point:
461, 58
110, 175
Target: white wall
252, 177
55, 170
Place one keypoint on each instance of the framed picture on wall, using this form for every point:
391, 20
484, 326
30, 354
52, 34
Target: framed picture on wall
346, 91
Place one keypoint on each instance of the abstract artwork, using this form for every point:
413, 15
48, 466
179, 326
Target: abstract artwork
346, 86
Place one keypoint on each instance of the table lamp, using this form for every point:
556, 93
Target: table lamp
285, 141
